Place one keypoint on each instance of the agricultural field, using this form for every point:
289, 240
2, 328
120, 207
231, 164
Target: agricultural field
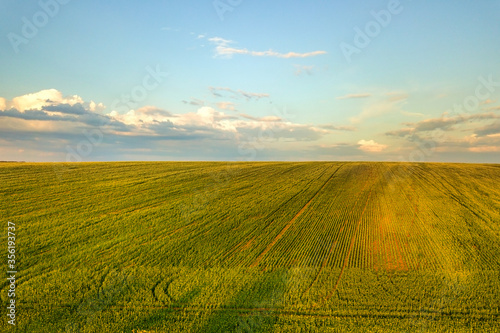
252, 247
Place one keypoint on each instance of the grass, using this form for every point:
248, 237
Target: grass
253, 247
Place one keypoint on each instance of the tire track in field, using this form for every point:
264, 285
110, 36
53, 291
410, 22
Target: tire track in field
289, 224
248, 311
346, 258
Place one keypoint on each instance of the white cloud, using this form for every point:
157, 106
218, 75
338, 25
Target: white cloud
223, 49
144, 115
351, 96
96, 107
412, 114
266, 118
219, 91
338, 128
371, 146
42, 98
226, 106
302, 69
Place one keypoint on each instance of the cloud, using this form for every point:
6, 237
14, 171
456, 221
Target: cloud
388, 103
194, 101
436, 123
144, 115
226, 106
471, 143
40, 99
302, 69
48, 110
412, 114
338, 128
267, 118
489, 129
76, 109
228, 92
209, 123
397, 96
351, 96
34, 115
48, 100
447, 123
96, 107
488, 101
170, 29
447, 133
223, 49
152, 133
249, 95
371, 146
485, 149
401, 132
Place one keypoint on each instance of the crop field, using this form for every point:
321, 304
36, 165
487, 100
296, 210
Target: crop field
252, 247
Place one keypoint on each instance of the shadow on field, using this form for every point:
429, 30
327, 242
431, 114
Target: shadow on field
253, 308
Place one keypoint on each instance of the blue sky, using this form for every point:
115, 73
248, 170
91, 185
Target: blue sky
250, 80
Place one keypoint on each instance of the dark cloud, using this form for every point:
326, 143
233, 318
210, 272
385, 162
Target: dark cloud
489, 129
443, 123
195, 102
76, 109
401, 132
338, 128
33, 115
447, 123
437, 123
76, 114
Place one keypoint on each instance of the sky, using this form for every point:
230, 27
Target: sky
240, 80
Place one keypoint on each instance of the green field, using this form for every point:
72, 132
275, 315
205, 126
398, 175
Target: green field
252, 247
